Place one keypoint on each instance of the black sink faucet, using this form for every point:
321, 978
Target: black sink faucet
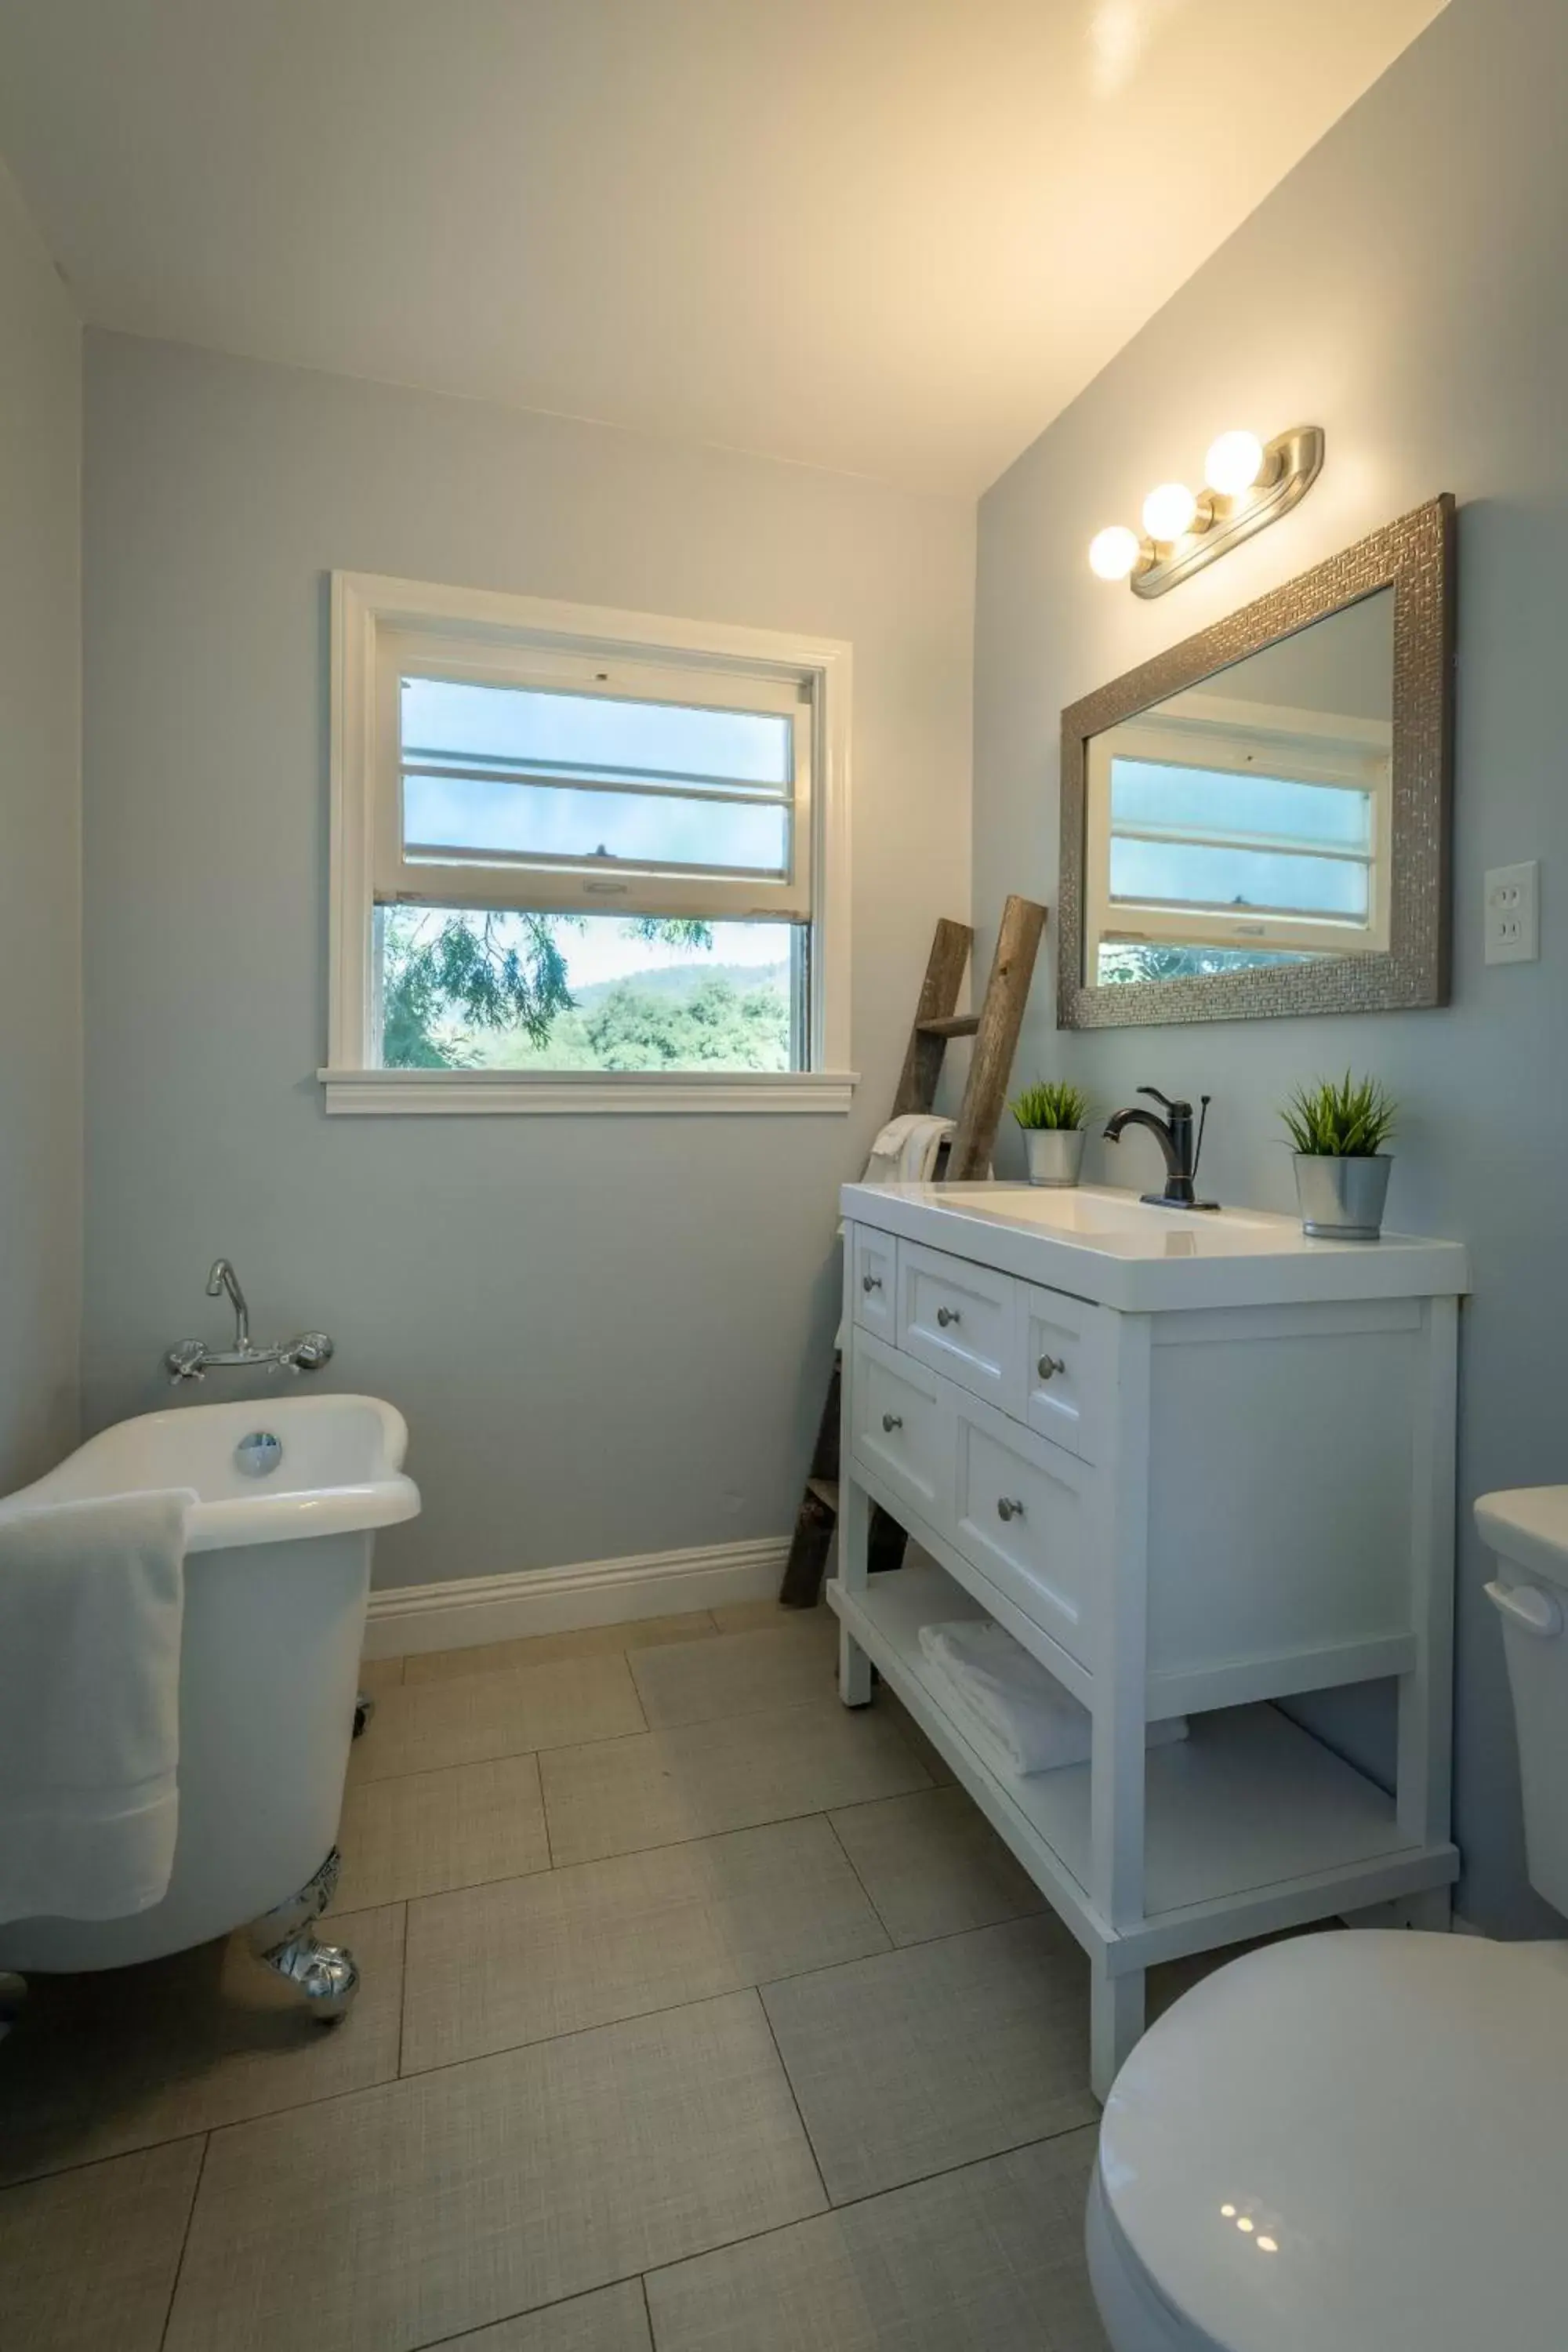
1174, 1135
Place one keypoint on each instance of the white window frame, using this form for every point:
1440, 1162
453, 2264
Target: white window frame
1219, 733
497, 636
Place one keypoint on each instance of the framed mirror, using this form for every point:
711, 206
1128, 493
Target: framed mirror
1256, 822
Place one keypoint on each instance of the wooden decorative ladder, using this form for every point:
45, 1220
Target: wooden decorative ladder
994, 1029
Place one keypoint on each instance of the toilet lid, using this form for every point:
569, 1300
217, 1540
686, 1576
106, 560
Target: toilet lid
1355, 2140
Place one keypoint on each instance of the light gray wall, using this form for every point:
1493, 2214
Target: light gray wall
609, 1336
1404, 288
40, 817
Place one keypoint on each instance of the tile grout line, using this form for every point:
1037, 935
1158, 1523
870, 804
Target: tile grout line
699, 1643
611, 1739
670, 2007
508, 2049
541, 2042
549, 1841
402, 1996
85, 2163
568, 1657
893, 1944
852, 2204
794, 2100
754, 2237
648, 2310
184, 2240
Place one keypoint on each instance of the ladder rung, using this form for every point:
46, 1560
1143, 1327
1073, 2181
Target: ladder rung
826, 1491
953, 1025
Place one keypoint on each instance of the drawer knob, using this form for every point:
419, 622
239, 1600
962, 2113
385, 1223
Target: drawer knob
891, 1421
1007, 1510
870, 1282
946, 1315
1050, 1365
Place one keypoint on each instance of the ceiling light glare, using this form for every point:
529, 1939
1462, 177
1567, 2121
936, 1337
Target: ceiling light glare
1233, 463
1112, 553
1169, 512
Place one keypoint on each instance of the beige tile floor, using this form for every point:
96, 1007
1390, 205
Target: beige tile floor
697, 2016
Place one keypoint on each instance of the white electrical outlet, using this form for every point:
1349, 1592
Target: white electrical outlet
1513, 914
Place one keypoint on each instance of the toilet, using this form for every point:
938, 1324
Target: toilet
1358, 2141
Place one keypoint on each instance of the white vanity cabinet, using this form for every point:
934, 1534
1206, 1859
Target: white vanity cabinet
1195, 1464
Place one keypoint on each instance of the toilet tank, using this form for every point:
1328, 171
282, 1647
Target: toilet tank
1527, 1530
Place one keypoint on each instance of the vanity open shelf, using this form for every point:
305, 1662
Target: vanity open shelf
1193, 1464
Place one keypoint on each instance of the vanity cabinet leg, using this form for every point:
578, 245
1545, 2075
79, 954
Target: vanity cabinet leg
854, 1671
1432, 1912
854, 1538
1115, 2024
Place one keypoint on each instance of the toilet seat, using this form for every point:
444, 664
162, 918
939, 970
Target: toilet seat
1389, 2113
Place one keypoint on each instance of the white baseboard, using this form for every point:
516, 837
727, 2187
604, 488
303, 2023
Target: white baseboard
406, 1618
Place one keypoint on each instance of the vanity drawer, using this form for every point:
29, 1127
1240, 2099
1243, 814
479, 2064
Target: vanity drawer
963, 1320
1066, 1369
1020, 1514
900, 1427
873, 1274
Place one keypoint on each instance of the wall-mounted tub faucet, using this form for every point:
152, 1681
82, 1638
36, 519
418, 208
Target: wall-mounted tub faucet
1174, 1135
192, 1359
224, 1277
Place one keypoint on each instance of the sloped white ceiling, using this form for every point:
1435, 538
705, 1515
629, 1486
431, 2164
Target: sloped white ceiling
893, 236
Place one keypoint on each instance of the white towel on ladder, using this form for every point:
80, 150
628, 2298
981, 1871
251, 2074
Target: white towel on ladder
1012, 1709
906, 1151
91, 1610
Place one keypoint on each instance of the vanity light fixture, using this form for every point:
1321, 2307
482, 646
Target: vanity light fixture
1248, 484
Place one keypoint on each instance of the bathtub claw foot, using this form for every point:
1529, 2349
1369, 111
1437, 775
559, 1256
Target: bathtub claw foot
364, 1707
327, 1975
284, 1940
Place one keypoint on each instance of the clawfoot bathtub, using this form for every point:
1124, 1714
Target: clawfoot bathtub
290, 1492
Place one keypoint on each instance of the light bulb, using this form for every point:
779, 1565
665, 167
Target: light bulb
1233, 463
1112, 553
1169, 512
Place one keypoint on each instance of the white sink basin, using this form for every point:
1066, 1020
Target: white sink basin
1088, 1212
1115, 1249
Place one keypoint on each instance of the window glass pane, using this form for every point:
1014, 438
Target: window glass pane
1212, 800
532, 727
510, 820
483, 990
1121, 961
1182, 873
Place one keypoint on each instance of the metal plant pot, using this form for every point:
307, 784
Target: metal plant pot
1056, 1154
1341, 1200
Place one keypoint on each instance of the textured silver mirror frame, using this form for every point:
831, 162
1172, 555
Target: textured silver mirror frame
1415, 557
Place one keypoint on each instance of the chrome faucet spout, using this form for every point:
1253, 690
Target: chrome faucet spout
222, 1279
192, 1359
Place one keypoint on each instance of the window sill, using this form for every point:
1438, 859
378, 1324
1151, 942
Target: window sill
373, 1093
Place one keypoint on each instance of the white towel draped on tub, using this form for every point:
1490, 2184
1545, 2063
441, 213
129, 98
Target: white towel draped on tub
91, 1606
1015, 1714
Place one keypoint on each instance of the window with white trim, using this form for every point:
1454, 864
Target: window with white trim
1226, 833
583, 859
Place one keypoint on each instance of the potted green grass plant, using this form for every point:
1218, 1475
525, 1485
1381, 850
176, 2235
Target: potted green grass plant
1338, 1129
1053, 1115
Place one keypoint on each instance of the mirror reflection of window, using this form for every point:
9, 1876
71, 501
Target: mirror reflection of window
1248, 822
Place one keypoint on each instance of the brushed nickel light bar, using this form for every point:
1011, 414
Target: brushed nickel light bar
1248, 483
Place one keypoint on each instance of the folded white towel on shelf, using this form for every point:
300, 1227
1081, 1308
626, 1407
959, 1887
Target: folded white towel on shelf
91, 1610
906, 1151
1016, 1714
